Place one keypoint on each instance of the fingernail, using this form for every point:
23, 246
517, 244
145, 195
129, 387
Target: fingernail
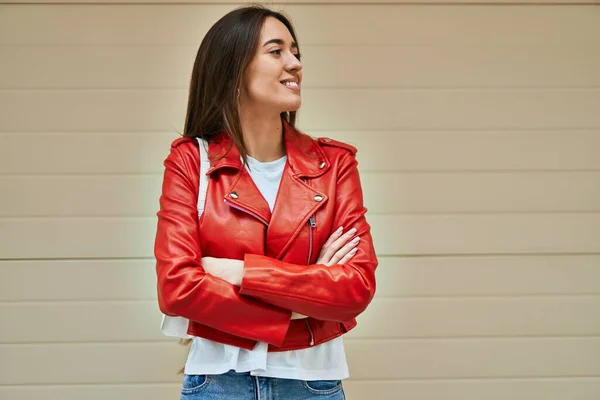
339, 229
354, 250
356, 239
352, 231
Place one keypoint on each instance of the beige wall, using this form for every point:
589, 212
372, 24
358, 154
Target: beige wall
478, 128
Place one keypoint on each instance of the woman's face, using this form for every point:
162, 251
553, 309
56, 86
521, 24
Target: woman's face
273, 78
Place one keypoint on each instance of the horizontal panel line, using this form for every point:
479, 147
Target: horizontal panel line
31, 385
398, 338
73, 259
177, 383
140, 342
482, 171
583, 46
312, 130
395, 256
469, 337
577, 43
512, 297
325, 3
474, 171
485, 378
370, 214
507, 338
312, 88
171, 341
476, 380
319, 87
516, 212
440, 297
154, 383
478, 131
85, 133
475, 255
492, 296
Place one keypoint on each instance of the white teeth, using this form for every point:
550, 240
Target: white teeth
291, 84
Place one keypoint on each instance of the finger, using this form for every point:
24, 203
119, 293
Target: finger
337, 244
334, 236
348, 256
343, 239
345, 250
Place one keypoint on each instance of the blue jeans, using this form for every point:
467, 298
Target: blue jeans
242, 386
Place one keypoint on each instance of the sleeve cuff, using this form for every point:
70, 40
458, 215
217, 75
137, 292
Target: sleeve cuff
252, 273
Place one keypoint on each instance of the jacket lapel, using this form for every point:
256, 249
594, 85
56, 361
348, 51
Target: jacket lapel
245, 196
294, 206
296, 200
243, 193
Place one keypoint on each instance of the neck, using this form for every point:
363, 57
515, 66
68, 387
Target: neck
263, 135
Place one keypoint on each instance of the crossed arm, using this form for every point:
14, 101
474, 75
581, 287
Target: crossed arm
256, 298
339, 249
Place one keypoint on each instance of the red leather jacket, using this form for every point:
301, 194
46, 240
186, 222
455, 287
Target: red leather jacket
320, 190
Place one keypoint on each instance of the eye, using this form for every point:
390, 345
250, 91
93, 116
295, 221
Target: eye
276, 52
298, 56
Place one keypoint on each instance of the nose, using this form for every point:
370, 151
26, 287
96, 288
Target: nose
292, 63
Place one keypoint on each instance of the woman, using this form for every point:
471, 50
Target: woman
279, 263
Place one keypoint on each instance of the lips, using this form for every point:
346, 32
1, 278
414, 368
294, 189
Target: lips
290, 84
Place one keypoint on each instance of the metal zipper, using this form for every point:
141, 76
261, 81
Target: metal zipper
247, 212
312, 337
312, 224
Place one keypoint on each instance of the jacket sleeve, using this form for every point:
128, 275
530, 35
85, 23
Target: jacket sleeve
184, 289
337, 293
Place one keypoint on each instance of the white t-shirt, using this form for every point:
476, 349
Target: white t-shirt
326, 361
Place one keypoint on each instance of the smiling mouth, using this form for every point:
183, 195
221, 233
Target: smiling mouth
291, 85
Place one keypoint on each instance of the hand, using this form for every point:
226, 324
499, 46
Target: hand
339, 249
227, 269
335, 251
231, 271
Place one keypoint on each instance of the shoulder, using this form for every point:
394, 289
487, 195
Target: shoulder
184, 153
184, 141
326, 142
326, 145
185, 147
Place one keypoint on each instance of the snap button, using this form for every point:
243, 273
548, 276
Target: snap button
318, 197
322, 165
234, 195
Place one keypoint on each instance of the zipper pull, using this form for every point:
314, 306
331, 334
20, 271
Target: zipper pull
312, 336
312, 222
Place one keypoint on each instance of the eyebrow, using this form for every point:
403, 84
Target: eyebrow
280, 42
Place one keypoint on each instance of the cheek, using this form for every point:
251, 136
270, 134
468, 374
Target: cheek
259, 89
263, 73
263, 84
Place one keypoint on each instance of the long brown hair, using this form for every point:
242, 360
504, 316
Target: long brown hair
224, 54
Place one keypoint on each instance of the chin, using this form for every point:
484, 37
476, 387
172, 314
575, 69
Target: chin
292, 106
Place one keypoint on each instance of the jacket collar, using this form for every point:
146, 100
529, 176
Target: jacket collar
304, 156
